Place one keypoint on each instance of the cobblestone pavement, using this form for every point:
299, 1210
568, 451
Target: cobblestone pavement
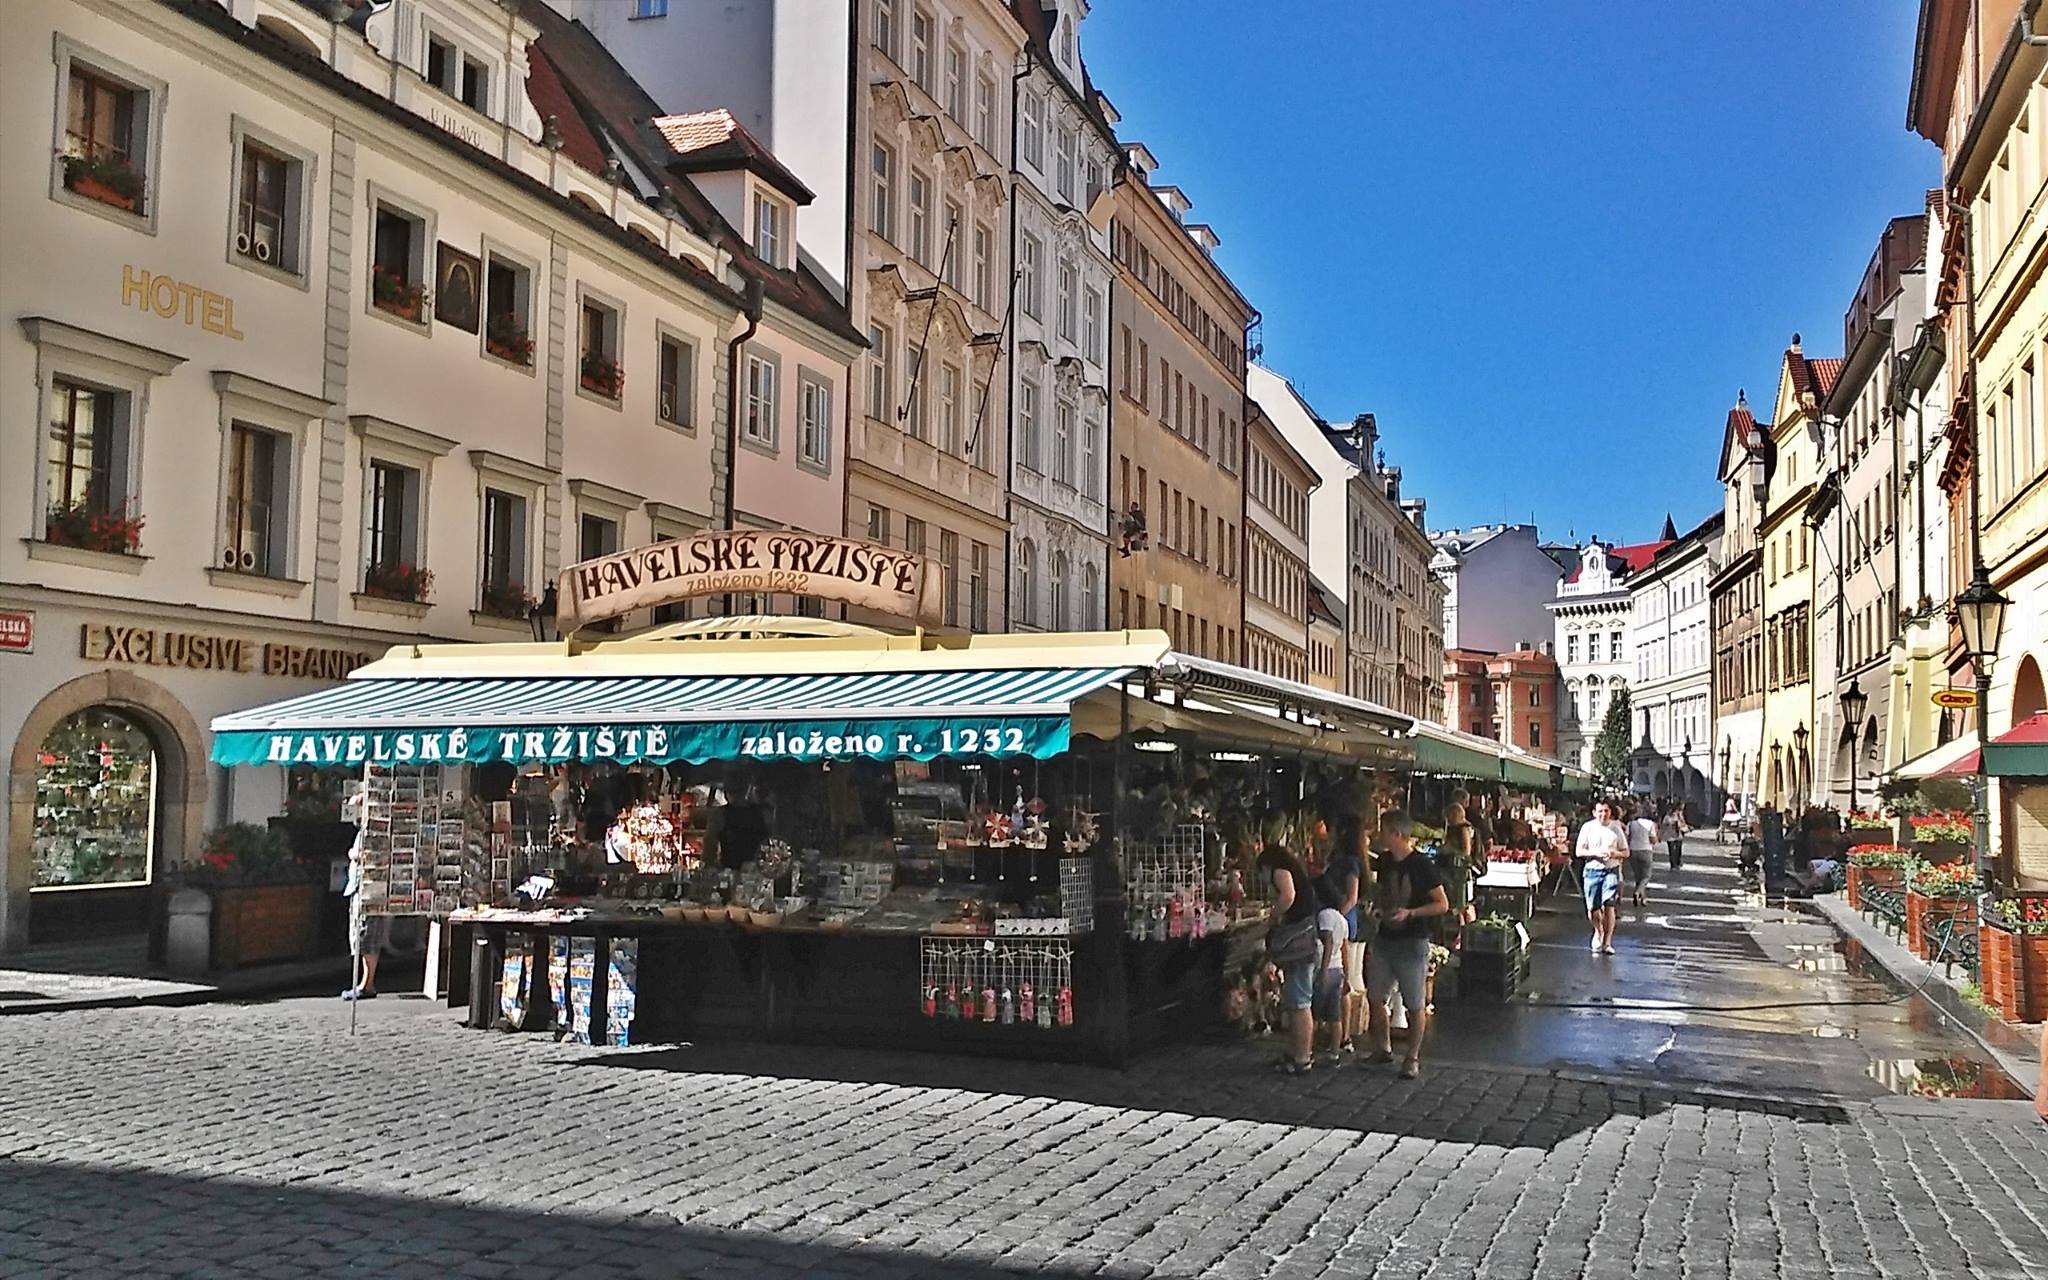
262, 1140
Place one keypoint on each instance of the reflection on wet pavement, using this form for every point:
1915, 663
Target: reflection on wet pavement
1709, 989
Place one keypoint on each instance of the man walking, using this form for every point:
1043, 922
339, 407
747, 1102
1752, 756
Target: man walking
1673, 831
1407, 896
1604, 846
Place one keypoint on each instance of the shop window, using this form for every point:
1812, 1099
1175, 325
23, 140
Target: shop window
392, 558
763, 393
87, 470
96, 802
678, 381
269, 204
508, 309
504, 553
814, 420
103, 147
398, 263
256, 517
599, 371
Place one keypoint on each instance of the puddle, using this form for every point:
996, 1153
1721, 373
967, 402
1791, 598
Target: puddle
1953, 1077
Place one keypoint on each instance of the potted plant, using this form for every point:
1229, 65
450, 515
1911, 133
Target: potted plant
105, 178
1942, 836
507, 339
1877, 865
76, 524
602, 374
391, 293
1948, 891
505, 600
403, 581
264, 905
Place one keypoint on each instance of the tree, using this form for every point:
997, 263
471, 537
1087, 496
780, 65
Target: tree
1612, 747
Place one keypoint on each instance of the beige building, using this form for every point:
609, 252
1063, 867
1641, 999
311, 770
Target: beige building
1277, 486
1177, 421
1325, 638
1789, 745
1395, 642
302, 312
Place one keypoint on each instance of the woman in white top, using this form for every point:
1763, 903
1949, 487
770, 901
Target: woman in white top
1642, 844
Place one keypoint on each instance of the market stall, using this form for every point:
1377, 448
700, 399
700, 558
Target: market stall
799, 830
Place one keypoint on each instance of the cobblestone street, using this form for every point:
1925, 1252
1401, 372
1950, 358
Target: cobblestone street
262, 1140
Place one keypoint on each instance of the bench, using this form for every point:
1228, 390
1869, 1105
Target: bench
1954, 940
1886, 904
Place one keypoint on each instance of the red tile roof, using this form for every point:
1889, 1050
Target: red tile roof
551, 98
707, 141
1634, 558
1825, 372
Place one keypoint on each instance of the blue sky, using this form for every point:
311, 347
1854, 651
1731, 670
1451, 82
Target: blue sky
1544, 243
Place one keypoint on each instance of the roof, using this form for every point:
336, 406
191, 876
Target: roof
1319, 609
1826, 371
711, 141
1038, 37
614, 106
1634, 558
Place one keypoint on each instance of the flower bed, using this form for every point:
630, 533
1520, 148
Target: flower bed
1943, 836
77, 525
264, 905
2012, 943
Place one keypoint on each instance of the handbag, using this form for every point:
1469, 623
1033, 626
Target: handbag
1292, 941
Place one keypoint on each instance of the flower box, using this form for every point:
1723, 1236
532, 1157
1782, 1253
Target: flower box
601, 375
1942, 853
507, 340
505, 600
390, 293
78, 525
263, 923
105, 179
403, 581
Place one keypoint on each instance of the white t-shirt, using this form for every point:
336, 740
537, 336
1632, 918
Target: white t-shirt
1642, 835
1331, 921
1602, 842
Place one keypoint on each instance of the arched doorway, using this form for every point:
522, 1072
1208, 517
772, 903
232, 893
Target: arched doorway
2028, 697
98, 754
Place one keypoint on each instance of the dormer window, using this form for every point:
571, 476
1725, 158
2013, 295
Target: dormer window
465, 78
771, 229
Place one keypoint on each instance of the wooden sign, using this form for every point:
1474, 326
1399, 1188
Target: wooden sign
1954, 699
196, 651
862, 574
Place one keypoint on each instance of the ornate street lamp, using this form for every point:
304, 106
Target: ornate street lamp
1980, 612
541, 616
1854, 703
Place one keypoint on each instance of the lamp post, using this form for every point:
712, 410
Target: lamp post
1800, 780
1980, 612
541, 617
1854, 703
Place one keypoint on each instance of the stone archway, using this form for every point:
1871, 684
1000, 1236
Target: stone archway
182, 780
2028, 697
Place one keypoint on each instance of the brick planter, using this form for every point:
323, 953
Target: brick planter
2030, 977
1941, 853
1922, 911
1861, 878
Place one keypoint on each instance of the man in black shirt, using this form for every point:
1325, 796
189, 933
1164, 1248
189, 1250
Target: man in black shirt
1408, 896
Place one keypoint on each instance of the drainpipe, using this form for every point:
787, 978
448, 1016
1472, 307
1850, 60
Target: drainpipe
1024, 61
751, 309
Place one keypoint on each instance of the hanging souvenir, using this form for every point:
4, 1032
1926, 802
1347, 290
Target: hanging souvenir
952, 1006
1007, 1007
931, 1002
1027, 1008
1176, 923
988, 1004
1066, 1013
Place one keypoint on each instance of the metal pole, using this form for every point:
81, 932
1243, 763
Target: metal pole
1981, 845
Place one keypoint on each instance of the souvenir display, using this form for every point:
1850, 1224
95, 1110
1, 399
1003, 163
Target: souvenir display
1028, 984
1164, 895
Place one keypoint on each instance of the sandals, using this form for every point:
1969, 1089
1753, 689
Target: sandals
1410, 1069
1289, 1067
1381, 1058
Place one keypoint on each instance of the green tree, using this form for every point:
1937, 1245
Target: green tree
1611, 748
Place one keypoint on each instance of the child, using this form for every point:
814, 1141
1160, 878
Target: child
1330, 985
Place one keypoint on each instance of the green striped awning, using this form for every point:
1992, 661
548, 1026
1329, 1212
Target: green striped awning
1442, 751
917, 715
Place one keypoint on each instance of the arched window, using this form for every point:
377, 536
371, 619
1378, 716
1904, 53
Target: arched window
1027, 583
1091, 598
95, 817
1059, 591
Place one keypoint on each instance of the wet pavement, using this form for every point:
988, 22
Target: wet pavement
1709, 987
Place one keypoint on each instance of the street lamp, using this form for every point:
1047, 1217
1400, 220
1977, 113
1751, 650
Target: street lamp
541, 616
1980, 612
1854, 703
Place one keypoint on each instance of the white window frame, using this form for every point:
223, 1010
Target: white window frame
952, 249
1061, 590
1063, 442
954, 82
1030, 130
395, 444
66, 51
1065, 146
882, 191
1030, 445
289, 415
529, 483
529, 269
984, 267
1027, 582
1091, 325
952, 404
1069, 301
815, 423
761, 398
881, 373
920, 67
422, 253
917, 201
301, 173
985, 111
771, 242
883, 28
603, 502
1091, 455
1029, 255
493, 69
617, 306
1091, 596
686, 412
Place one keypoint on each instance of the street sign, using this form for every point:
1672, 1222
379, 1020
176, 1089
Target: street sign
17, 630
1955, 698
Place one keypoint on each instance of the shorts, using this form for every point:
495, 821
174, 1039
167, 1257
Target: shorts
1354, 967
1330, 995
1601, 885
1298, 987
368, 934
1398, 962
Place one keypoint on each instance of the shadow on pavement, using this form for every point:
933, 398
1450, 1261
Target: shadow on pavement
94, 1221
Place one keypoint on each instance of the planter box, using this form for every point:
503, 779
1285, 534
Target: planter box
1861, 878
94, 189
1922, 911
272, 922
1942, 852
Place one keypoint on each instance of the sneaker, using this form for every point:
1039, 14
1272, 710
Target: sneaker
1327, 1060
1607, 950
358, 993
1593, 948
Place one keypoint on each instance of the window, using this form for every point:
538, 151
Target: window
1144, 371
878, 524
956, 83
508, 310
912, 412
914, 535
1058, 613
1027, 583
1535, 733
1069, 303
977, 586
1028, 250
103, 151
952, 251
1098, 178
1030, 141
398, 263
596, 536
1091, 593
504, 544
258, 488
920, 245
985, 112
457, 74
1091, 327
949, 408
881, 404
650, 8
1029, 448
1123, 377
1063, 164
885, 26
1614, 647
393, 525
598, 368
677, 393
1091, 455
87, 472
771, 229
96, 802
763, 384
268, 196
949, 564
1063, 443
814, 420
921, 49
882, 192
984, 268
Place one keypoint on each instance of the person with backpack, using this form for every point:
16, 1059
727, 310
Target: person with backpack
1293, 945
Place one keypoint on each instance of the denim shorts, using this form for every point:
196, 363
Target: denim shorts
1299, 990
1398, 962
1601, 885
1330, 989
